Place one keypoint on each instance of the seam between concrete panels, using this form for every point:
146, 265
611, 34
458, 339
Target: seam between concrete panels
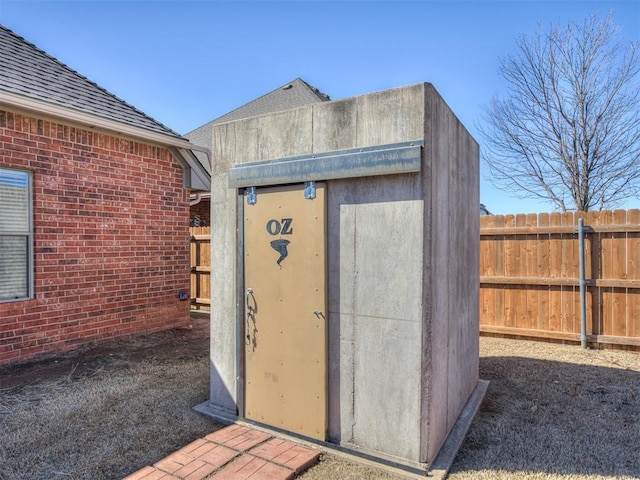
353, 325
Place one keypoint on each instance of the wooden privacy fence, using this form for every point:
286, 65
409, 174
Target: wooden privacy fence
529, 276
200, 268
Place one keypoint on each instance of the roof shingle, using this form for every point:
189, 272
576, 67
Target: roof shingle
27, 71
291, 95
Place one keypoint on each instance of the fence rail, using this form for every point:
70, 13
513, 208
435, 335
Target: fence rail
529, 278
200, 249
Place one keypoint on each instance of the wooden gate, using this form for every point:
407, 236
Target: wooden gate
200, 268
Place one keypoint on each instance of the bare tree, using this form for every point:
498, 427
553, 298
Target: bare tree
568, 129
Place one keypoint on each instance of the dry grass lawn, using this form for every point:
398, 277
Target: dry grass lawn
105, 412
554, 412
551, 412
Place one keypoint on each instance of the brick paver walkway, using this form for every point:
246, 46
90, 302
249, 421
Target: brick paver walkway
233, 453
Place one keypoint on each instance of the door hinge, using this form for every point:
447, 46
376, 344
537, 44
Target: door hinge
309, 190
252, 196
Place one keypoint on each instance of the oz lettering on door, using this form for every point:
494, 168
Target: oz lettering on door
282, 227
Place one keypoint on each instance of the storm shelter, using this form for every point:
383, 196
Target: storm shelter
345, 270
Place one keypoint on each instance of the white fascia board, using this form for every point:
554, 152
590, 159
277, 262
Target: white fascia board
195, 176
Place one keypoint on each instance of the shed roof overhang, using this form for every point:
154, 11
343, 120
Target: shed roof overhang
195, 177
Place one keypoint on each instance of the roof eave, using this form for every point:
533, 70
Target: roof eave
196, 177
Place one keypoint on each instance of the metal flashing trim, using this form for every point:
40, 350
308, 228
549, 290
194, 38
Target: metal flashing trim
390, 159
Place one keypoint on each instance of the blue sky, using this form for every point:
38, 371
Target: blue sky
187, 62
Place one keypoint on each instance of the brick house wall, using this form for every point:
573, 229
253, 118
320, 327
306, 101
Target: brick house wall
111, 238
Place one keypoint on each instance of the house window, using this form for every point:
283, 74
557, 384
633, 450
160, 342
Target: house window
16, 238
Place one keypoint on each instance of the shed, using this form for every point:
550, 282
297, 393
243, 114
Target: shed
345, 243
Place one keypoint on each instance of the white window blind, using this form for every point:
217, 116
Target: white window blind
13, 268
15, 234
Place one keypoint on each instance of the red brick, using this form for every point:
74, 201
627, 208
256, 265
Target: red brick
150, 473
174, 462
287, 454
249, 467
227, 433
238, 437
193, 470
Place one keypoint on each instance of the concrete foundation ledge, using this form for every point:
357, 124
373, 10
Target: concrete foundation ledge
221, 415
438, 470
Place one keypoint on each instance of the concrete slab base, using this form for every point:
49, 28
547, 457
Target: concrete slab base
437, 470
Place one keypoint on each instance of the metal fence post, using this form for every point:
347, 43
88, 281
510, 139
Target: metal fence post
583, 285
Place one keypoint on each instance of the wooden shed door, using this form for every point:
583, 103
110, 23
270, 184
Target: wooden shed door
285, 294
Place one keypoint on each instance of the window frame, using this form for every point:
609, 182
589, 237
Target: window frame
28, 234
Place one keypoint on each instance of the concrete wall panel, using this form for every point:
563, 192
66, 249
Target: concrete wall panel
435, 427
381, 215
334, 126
390, 116
450, 364
223, 149
341, 211
386, 398
223, 309
387, 333
278, 135
341, 372
285, 134
388, 253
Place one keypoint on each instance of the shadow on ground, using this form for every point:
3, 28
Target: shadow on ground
554, 417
